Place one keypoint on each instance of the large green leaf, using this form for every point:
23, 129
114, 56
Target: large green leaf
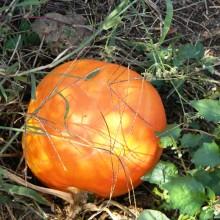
208, 108
149, 214
186, 194
206, 214
209, 179
188, 51
191, 140
162, 173
216, 132
207, 155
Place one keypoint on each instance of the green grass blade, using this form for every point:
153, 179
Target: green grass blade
3, 93
20, 190
24, 191
33, 86
114, 18
167, 20
67, 106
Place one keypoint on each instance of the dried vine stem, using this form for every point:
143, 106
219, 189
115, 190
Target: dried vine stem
63, 195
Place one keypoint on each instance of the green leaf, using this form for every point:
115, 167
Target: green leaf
20, 190
178, 86
171, 130
167, 20
207, 155
208, 108
207, 214
158, 83
28, 37
210, 194
169, 137
12, 68
209, 179
155, 54
24, 191
208, 63
217, 216
141, 47
1, 176
187, 52
4, 199
167, 141
186, 194
149, 214
191, 140
216, 132
24, 25
2, 172
13, 42
114, 18
31, 38
162, 173
30, 2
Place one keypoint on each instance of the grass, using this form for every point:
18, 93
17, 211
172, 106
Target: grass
155, 41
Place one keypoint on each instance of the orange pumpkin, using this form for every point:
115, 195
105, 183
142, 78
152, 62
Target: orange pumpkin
92, 126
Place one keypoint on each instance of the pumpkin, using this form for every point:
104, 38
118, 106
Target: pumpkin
92, 126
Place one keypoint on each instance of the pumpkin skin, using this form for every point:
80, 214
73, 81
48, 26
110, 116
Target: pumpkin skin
92, 126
